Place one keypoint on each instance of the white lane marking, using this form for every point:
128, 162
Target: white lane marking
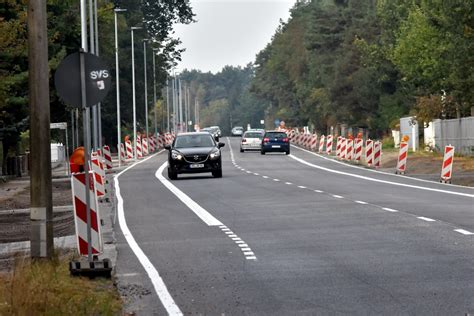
378, 171
265, 177
125, 275
426, 219
249, 171
361, 202
245, 249
204, 215
379, 180
235, 238
289, 183
256, 174
225, 229
160, 287
240, 242
229, 233
248, 253
464, 232
222, 226
301, 187
318, 191
276, 180
337, 196
389, 209
243, 245
232, 236
251, 258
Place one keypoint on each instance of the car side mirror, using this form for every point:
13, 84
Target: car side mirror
220, 145
167, 147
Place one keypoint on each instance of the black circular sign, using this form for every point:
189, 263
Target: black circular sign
67, 79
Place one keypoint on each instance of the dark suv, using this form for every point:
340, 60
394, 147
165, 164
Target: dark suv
194, 153
275, 141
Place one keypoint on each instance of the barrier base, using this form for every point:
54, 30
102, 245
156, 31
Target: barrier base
445, 181
400, 172
96, 268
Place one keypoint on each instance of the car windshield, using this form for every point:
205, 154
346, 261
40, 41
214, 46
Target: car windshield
214, 129
201, 140
253, 135
276, 135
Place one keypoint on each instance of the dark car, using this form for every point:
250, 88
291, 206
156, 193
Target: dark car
275, 141
194, 153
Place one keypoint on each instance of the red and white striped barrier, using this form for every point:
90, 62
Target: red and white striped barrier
321, 144
447, 168
329, 144
343, 148
369, 152
99, 175
377, 154
402, 158
151, 144
139, 147
122, 152
308, 139
145, 146
107, 157
314, 142
128, 145
78, 185
349, 149
338, 146
291, 135
358, 149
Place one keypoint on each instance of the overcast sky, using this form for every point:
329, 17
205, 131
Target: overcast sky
229, 32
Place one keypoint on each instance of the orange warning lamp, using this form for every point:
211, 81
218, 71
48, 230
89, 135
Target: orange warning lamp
405, 138
127, 138
76, 161
359, 135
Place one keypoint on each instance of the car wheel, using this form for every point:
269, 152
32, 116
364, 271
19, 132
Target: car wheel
287, 152
262, 152
217, 173
241, 150
172, 175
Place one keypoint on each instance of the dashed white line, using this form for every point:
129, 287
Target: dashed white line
229, 233
243, 245
265, 177
236, 238
289, 183
251, 258
337, 196
361, 202
301, 187
426, 219
248, 253
389, 210
249, 171
256, 174
276, 180
232, 235
318, 191
240, 242
464, 232
245, 249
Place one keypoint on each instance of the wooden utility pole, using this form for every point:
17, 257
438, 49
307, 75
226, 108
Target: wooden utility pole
41, 214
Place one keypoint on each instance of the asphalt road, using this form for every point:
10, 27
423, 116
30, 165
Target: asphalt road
293, 235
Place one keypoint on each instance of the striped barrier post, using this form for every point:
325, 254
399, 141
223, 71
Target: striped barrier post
321, 144
447, 168
145, 146
107, 157
343, 148
349, 149
377, 154
122, 152
338, 146
402, 158
329, 144
358, 149
128, 145
369, 152
314, 142
152, 144
139, 147
78, 185
307, 143
99, 175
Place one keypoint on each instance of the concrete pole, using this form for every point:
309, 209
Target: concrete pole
146, 88
167, 105
117, 83
92, 50
99, 111
154, 90
41, 212
180, 102
134, 97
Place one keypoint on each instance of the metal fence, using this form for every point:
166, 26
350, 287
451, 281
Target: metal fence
456, 132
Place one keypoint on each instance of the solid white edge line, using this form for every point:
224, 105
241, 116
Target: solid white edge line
158, 283
464, 232
378, 180
377, 171
204, 215
426, 219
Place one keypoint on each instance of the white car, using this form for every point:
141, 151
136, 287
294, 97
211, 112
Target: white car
251, 140
237, 131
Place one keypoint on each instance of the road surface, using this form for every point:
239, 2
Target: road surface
292, 235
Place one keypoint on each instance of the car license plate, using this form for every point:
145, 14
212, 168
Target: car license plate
196, 165
275, 146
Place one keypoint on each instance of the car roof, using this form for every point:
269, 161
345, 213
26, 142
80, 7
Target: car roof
193, 133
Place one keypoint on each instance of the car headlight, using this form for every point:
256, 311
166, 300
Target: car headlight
176, 155
215, 154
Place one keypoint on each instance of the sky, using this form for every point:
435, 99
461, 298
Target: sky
229, 32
